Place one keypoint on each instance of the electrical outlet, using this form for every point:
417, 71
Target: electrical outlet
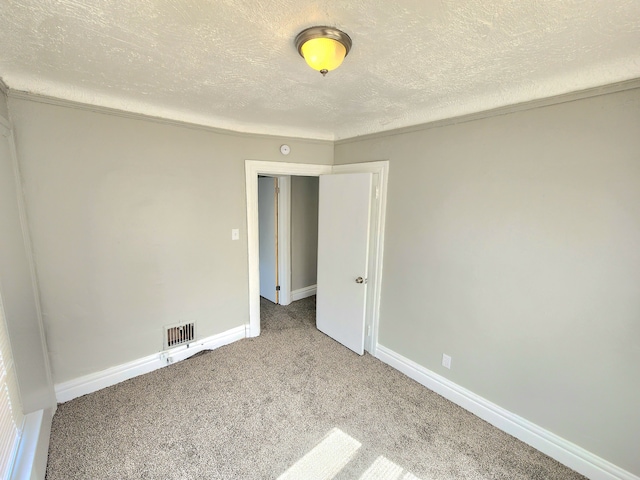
446, 361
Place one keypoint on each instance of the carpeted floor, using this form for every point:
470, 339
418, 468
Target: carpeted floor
290, 403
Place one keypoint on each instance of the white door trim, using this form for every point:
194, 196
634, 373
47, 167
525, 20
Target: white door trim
255, 167
284, 239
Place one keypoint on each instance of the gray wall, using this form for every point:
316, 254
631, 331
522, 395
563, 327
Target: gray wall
131, 224
513, 245
4, 112
17, 288
304, 231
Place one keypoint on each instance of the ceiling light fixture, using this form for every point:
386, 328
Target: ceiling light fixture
323, 48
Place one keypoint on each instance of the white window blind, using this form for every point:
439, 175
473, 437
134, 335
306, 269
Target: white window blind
10, 410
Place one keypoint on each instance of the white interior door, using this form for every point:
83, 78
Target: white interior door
267, 237
344, 214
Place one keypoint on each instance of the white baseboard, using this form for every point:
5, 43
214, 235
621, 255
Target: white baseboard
33, 450
305, 292
248, 333
565, 452
96, 381
284, 298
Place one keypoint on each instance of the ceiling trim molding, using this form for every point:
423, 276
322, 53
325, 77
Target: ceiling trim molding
507, 109
61, 102
494, 112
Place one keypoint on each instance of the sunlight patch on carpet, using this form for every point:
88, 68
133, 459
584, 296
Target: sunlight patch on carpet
330, 456
384, 469
326, 459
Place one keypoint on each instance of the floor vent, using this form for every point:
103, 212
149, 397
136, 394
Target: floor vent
179, 334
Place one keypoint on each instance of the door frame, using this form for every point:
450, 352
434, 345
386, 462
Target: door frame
284, 239
253, 168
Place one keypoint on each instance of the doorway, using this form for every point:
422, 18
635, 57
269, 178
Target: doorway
380, 170
288, 237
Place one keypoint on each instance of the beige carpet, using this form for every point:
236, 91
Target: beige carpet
291, 403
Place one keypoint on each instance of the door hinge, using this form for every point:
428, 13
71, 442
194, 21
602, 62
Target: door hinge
368, 330
377, 192
277, 288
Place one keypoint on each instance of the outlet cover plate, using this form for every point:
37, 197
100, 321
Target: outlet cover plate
446, 361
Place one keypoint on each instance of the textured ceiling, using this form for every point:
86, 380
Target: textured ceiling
232, 63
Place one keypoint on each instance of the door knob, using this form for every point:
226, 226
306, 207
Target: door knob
359, 280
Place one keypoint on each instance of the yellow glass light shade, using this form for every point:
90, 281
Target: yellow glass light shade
323, 48
323, 54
